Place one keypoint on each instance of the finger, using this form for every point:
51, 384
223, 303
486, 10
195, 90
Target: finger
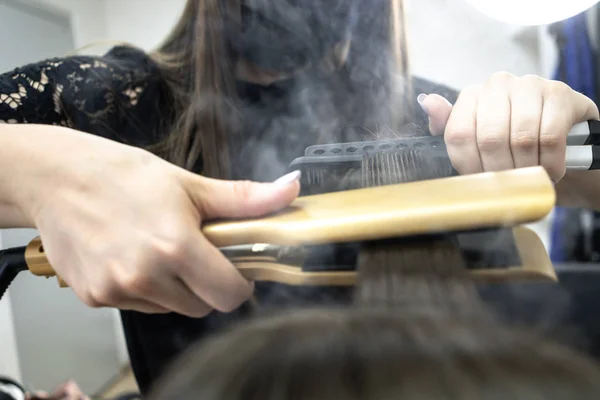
211, 277
143, 306
555, 124
71, 390
526, 113
154, 291
438, 110
493, 126
172, 294
583, 107
237, 199
37, 395
460, 133
99, 298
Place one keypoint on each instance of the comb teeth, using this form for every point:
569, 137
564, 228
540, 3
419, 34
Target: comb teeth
329, 178
315, 175
393, 167
373, 169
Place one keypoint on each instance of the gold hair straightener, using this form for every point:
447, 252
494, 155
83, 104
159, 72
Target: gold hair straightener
278, 247
282, 247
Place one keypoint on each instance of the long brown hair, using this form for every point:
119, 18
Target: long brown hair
200, 72
195, 62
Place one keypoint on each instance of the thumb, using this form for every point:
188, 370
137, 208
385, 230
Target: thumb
243, 199
438, 110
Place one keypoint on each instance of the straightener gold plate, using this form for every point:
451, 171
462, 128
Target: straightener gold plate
458, 203
536, 267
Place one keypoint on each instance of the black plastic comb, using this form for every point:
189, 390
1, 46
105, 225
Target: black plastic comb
336, 167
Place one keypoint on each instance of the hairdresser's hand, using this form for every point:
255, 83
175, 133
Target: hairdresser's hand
122, 227
509, 122
67, 391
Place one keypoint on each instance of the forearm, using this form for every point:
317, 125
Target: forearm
580, 189
26, 159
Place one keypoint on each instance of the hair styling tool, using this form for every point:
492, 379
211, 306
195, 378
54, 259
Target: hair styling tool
334, 222
329, 165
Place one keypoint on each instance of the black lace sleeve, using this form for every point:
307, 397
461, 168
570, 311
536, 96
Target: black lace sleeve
118, 96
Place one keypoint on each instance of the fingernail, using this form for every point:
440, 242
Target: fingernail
289, 178
420, 99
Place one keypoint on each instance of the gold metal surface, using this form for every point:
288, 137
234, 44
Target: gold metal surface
36, 259
293, 275
536, 267
498, 199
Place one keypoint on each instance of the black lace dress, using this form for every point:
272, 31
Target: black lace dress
122, 96
118, 96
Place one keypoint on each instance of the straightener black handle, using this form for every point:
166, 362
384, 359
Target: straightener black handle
12, 261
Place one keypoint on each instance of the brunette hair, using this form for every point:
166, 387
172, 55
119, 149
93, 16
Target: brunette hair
377, 354
199, 68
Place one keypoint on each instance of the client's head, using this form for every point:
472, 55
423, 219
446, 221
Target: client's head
377, 355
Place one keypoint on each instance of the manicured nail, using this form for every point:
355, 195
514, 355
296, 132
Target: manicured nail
289, 178
420, 99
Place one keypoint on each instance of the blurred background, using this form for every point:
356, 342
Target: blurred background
48, 336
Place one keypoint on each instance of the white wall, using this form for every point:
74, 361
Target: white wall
88, 18
452, 43
143, 23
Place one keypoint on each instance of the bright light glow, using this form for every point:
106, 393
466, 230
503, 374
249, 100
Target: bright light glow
531, 12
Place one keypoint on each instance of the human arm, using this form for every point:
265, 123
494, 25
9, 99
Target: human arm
120, 225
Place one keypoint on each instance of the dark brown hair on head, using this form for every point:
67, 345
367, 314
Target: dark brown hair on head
377, 355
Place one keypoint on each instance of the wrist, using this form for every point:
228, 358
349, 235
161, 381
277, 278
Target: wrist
29, 156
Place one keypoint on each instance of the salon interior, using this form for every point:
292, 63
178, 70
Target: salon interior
49, 337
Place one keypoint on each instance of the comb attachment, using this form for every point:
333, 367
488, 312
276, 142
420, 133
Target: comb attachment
337, 167
393, 167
